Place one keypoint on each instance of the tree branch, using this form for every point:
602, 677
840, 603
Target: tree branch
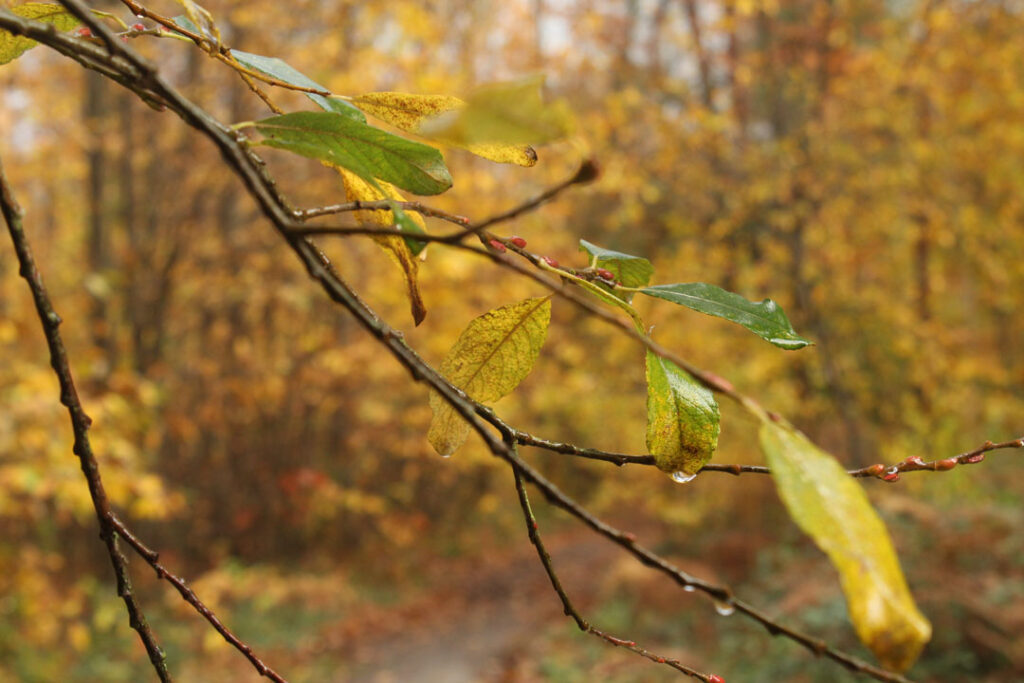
261, 188
567, 606
80, 423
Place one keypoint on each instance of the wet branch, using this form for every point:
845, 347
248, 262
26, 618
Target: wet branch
571, 611
80, 423
249, 168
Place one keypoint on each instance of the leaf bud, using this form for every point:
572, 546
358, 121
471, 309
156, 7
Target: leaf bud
497, 246
517, 241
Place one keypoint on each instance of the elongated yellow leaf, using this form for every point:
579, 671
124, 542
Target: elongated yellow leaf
492, 356
833, 509
407, 111
682, 419
12, 46
357, 189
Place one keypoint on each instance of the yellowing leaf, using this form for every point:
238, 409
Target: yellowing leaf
493, 355
12, 46
682, 419
520, 155
357, 189
407, 111
506, 113
833, 509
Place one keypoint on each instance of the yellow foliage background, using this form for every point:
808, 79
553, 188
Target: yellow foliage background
862, 163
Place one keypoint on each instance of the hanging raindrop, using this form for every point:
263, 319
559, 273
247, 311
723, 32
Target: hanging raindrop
682, 477
724, 608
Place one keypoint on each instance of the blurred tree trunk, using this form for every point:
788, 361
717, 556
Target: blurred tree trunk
94, 111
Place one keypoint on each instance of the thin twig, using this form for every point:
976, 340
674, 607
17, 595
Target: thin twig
80, 423
153, 558
567, 606
587, 172
261, 188
381, 205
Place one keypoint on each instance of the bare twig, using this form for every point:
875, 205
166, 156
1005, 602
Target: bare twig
567, 606
153, 558
381, 205
250, 170
80, 422
587, 172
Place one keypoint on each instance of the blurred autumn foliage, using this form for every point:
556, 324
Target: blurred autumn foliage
861, 162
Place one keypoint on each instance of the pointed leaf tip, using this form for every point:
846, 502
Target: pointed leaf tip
765, 318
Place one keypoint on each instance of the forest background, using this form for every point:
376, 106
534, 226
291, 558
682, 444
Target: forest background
860, 162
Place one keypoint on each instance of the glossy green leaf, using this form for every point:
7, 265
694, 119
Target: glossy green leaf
682, 418
493, 355
764, 318
407, 111
283, 71
832, 508
629, 270
12, 46
366, 151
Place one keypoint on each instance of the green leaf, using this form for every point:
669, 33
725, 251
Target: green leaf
832, 508
366, 151
12, 46
407, 111
493, 355
282, 71
631, 271
682, 419
508, 113
765, 319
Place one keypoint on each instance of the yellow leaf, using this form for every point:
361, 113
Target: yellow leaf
407, 111
682, 419
505, 113
832, 508
357, 189
12, 47
492, 356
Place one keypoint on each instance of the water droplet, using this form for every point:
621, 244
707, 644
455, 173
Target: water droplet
682, 477
446, 455
689, 588
724, 608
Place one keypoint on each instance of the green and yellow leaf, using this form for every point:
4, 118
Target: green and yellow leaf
833, 510
12, 46
357, 189
629, 270
492, 356
682, 418
507, 113
366, 151
407, 112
